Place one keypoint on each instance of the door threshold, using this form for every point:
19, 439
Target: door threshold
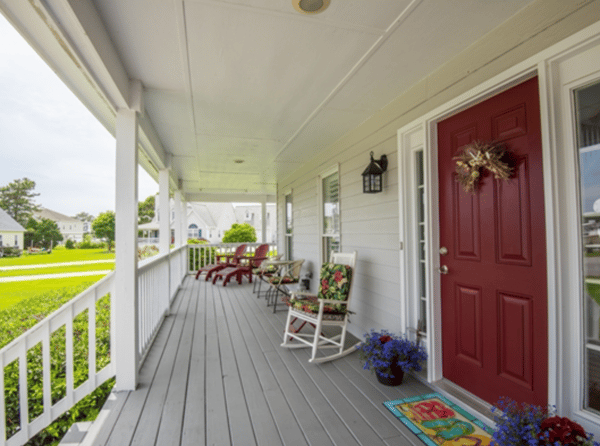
462, 398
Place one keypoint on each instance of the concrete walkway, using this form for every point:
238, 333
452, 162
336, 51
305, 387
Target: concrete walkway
55, 276
52, 265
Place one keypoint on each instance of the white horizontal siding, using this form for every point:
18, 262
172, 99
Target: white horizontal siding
370, 223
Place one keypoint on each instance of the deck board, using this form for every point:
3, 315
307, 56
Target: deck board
217, 375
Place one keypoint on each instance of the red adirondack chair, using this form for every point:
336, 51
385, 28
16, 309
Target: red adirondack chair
247, 264
223, 261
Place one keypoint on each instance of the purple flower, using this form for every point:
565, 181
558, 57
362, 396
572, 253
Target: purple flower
383, 351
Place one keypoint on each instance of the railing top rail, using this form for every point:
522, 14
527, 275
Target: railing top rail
149, 263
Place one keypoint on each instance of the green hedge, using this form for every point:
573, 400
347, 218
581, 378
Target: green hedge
10, 251
18, 319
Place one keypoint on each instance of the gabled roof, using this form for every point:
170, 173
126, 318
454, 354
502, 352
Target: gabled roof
7, 223
55, 216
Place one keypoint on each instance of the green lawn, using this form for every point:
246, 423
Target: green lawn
57, 269
13, 292
58, 256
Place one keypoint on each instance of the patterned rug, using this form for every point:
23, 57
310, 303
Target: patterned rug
439, 422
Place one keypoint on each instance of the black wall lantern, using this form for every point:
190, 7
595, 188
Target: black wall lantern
373, 175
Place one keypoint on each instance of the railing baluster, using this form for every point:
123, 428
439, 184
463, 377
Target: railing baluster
46, 370
2, 402
23, 400
69, 358
92, 341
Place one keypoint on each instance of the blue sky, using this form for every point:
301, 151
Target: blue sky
47, 135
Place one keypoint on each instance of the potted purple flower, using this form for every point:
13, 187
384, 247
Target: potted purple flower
524, 424
390, 355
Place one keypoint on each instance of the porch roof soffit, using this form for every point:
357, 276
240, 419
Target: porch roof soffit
239, 94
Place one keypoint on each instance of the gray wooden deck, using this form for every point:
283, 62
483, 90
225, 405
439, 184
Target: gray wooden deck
216, 375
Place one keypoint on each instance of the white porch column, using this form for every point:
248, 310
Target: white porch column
184, 222
177, 224
263, 219
125, 300
164, 211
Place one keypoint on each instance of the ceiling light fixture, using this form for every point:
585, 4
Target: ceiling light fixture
310, 6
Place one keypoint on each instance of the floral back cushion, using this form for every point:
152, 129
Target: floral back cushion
335, 281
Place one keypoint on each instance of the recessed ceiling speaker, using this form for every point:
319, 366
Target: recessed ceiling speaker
310, 6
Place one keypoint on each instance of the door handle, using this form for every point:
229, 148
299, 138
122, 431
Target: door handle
443, 269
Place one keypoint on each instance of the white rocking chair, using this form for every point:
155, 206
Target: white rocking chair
328, 308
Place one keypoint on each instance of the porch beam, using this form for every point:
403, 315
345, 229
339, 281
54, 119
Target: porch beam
164, 211
99, 49
228, 198
125, 300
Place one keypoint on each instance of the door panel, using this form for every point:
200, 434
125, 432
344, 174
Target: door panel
494, 302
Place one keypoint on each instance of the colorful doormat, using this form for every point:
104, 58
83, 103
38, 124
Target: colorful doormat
439, 422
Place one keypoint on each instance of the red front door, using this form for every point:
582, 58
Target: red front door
494, 301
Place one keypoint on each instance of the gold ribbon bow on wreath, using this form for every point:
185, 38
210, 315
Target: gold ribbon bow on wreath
475, 156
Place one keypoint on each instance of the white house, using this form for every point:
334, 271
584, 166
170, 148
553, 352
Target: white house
238, 101
11, 232
70, 227
209, 221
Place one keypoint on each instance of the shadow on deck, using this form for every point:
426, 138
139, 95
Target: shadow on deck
216, 375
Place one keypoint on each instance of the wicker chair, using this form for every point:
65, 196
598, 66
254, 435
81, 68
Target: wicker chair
290, 275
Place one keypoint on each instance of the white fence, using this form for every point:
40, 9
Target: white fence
159, 279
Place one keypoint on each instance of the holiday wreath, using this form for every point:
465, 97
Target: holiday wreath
475, 156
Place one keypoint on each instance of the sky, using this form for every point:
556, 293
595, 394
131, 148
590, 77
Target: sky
48, 136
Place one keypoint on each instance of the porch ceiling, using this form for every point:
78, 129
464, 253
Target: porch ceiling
255, 80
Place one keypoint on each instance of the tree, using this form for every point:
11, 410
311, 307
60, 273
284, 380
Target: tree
240, 233
146, 210
17, 200
43, 233
84, 216
104, 227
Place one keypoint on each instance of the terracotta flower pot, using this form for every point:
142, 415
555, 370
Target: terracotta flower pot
395, 379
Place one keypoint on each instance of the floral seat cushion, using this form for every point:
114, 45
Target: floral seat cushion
271, 269
277, 280
335, 285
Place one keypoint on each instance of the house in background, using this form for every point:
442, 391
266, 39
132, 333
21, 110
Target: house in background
209, 221
236, 101
251, 214
11, 232
70, 227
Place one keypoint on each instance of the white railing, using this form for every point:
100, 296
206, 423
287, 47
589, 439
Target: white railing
202, 255
159, 279
47, 330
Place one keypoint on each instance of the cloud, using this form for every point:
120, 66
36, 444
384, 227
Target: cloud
47, 135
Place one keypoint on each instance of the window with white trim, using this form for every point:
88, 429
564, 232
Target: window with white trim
330, 214
194, 231
587, 105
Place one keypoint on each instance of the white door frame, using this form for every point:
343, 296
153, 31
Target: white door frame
561, 225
